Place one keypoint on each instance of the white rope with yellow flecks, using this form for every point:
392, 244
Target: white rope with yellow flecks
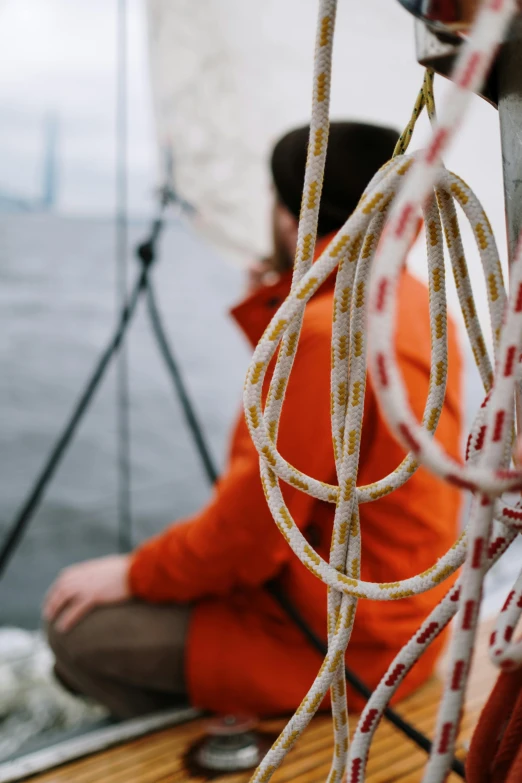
394, 196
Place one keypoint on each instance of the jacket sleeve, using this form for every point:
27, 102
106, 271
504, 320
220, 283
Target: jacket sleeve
234, 542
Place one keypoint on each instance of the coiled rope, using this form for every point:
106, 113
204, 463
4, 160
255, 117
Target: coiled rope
395, 197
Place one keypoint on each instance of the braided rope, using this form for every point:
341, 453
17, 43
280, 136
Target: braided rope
368, 262
426, 99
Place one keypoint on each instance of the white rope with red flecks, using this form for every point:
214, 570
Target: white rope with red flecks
361, 246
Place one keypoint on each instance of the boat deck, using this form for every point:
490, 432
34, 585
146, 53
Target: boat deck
162, 757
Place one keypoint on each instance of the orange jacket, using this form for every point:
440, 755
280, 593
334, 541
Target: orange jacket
242, 652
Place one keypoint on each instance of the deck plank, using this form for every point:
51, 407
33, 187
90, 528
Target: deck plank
159, 758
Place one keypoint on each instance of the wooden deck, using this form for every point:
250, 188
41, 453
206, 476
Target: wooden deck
160, 758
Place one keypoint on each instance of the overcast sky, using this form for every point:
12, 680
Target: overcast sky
59, 56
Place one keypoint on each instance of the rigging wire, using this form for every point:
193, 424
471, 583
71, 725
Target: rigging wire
121, 259
146, 253
33, 499
169, 358
359, 686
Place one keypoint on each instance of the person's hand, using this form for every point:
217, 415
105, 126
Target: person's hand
81, 587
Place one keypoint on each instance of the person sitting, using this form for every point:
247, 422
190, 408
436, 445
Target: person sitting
187, 617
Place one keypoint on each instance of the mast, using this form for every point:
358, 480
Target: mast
122, 378
509, 80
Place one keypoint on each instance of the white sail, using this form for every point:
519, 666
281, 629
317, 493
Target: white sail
201, 122
228, 76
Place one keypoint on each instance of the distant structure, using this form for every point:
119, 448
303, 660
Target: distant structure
50, 163
47, 199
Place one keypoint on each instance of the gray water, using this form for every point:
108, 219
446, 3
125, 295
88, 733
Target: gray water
57, 310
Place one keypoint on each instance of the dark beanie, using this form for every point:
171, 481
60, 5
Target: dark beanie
356, 151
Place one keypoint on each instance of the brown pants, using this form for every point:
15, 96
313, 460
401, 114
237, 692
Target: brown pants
129, 657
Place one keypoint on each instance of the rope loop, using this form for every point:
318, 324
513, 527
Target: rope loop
368, 260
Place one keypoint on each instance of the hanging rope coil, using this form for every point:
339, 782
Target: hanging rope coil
368, 262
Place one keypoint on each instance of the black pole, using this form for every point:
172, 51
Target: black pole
23, 518
354, 680
146, 253
189, 412
122, 365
